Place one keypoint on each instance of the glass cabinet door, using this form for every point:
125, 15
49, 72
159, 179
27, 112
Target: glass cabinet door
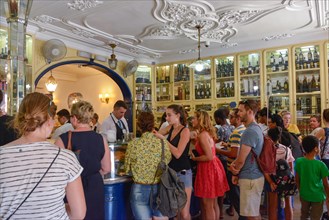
249, 76
163, 83
277, 79
202, 83
182, 82
307, 87
224, 77
143, 89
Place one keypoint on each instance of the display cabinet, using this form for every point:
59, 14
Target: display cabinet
143, 89
249, 77
182, 82
307, 84
21, 84
224, 74
163, 86
277, 91
202, 83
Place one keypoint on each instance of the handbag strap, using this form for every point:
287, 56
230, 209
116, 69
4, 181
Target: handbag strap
59, 149
326, 133
69, 143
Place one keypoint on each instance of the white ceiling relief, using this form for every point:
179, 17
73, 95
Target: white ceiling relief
165, 30
81, 5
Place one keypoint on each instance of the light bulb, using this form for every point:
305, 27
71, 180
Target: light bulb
199, 67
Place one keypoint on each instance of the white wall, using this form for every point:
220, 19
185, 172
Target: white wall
90, 87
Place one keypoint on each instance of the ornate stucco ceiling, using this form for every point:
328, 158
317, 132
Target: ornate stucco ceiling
164, 30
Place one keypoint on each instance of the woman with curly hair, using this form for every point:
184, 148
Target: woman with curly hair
210, 181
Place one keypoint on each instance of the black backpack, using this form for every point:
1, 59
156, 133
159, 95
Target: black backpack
284, 178
295, 146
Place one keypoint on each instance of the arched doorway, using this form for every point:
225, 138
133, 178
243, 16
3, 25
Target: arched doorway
127, 96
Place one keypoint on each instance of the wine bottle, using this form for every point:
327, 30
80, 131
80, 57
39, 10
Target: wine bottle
305, 86
272, 59
309, 55
278, 86
250, 71
316, 58
269, 86
286, 85
313, 84
223, 92
218, 92
187, 93
317, 87
286, 58
296, 60
257, 67
232, 89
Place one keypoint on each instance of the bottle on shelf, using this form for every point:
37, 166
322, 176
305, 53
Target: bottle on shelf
250, 69
286, 61
313, 84
257, 67
167, 77
296, 60
317, 86
232, 89
272, 59
286, 85
316, 58
269, 86
305, 85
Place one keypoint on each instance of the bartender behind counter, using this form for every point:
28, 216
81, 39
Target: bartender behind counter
116, 121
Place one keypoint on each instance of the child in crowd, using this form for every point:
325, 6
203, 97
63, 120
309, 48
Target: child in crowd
311, 179
284, 153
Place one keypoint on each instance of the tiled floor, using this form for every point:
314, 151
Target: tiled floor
264, 217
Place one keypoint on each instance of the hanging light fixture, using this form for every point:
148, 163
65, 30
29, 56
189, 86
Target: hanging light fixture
199, 64
51, 84
113, 62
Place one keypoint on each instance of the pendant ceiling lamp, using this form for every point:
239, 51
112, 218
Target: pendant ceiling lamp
113, 62
199, 64
51, 84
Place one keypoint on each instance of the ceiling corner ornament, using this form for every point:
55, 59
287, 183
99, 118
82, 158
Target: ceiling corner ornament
81, 5
83, 33
43, 19
277, 37
136, 51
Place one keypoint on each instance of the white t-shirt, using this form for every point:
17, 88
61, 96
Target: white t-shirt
22, 166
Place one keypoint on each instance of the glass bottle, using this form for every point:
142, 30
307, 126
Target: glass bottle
269, 86
316, 58
286, 85
313, 84
305, 86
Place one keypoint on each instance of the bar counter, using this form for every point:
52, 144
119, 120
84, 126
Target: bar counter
117, 186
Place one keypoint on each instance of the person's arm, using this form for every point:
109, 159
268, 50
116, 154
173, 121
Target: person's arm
326, 189
206, 145
106, 160
76, 208
240, 160
270, 181
233, 153
320, 134
164, 131
297, 181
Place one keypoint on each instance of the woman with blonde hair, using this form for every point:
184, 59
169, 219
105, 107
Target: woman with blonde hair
94, 156
210, 182
35, 175
292, 128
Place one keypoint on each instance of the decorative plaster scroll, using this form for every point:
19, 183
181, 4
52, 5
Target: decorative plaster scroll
187, 51
81, 5
297, 5
43, 19
136, 51
277, 37
232, 17
228, 45
83, 33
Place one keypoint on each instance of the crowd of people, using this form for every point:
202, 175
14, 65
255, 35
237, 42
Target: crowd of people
69, 173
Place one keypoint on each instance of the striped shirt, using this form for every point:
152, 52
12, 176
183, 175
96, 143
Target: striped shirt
21, 167
234, 141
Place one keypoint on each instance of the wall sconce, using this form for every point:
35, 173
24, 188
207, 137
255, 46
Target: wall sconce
104, 98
